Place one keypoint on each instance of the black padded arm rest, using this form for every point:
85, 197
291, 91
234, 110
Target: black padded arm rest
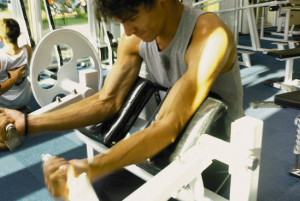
116, 127
284, 54
204, 121
291, 99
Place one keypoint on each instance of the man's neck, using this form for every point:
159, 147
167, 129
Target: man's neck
172, 22
11, 49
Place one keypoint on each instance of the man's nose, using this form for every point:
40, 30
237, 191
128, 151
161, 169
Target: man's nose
129, 29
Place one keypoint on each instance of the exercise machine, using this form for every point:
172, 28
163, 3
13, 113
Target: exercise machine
242, 153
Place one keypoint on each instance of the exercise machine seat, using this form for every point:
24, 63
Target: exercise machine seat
285, 54
291, 100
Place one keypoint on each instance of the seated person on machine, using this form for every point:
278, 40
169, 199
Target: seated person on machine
15, 91
187, 49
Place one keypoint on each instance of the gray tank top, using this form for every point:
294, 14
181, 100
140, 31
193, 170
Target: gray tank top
166, 67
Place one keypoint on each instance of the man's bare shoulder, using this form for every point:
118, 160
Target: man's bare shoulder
208, 23
212, 36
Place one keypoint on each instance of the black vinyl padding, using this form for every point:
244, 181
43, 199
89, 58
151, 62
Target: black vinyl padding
290, 99
116, 127
285, 54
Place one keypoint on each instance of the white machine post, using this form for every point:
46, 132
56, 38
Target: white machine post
246, 139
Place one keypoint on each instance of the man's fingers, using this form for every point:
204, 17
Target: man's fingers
55, 178
51, 166
58, 181
21, 68
3, 146
3, 110
5, 119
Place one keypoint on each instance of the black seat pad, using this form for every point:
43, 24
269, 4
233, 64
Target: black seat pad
291, 99
284, 54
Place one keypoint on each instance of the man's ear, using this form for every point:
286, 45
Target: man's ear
1, 39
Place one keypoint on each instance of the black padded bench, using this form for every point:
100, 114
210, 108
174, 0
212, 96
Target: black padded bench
288, 85
285, 54
292, 100
288, 55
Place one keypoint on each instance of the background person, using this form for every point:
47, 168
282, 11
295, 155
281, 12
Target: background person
15, 91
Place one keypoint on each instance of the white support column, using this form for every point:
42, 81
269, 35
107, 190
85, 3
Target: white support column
286, 25
288, 71
246, 137
252, 27
91, 22
36, 20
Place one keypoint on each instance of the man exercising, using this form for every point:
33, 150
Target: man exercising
184, 48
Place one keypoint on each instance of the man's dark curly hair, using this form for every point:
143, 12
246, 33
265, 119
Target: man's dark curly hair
105, 9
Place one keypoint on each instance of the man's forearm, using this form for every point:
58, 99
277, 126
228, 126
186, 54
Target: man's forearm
135, 149
89, 111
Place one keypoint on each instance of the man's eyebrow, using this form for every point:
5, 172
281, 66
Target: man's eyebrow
128, 17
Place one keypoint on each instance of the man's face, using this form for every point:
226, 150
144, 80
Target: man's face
145, 24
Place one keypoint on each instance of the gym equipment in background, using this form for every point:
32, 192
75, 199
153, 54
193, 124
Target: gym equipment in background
73, 85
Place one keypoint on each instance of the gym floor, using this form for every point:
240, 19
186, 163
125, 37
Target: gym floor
21, 176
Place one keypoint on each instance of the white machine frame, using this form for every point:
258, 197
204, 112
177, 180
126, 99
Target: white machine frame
242, 155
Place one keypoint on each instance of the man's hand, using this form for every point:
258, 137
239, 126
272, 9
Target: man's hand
10, 116
18, 73
4, 121
57, 171
17, 118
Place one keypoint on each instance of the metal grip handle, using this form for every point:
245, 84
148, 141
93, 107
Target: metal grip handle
45, 157
13, 140
11, 130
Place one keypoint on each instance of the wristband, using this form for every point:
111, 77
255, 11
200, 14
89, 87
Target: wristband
26, 123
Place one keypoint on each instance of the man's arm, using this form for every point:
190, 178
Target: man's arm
212, 51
